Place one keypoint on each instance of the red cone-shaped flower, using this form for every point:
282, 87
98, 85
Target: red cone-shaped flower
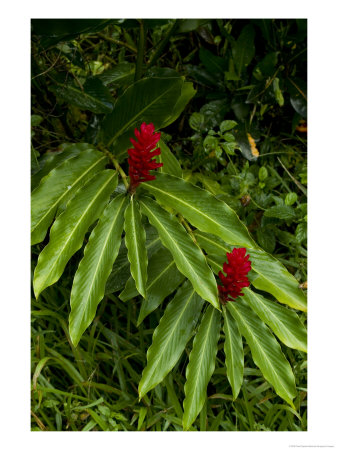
237, 270
141, 157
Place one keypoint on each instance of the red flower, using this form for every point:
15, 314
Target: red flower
237, 270
141, 158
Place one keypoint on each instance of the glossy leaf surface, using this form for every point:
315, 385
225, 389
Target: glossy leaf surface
170, 163
201, 365
234, 355
58, 186
148, 100
282, 321
265, 350
95, 267
202, 209
188, 257
135, 240
68, 231
171, 336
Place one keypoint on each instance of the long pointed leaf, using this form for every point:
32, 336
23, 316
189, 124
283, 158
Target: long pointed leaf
202, 209
95, 267
234, 355
58, 186
135, 239
171, 336
188, 257
271, 277
201, 365
68, 231
283, 322
265, 350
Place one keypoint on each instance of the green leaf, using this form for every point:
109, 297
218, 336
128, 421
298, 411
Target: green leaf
187, 256
227, 125
272, 275
283, 322
170, 163
119, 75
58, 186
93, 96
148, 100
214, 64
171, 337
201, 209
243, 50
68, 231
201, 365
291, 198
284, 212
95, 267
51, 160
301, 232
135, 239
234, 355
121, 269
265, 350
187, 93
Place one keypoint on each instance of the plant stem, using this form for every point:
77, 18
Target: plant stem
140, 51
187, 227
117, 166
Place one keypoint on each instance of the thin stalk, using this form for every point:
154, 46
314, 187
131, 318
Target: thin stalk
187, 227
117, 166
140, 51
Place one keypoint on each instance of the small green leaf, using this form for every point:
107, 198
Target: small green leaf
283, 212
201, 365
291, 198
227, 125
135, 239
171, 336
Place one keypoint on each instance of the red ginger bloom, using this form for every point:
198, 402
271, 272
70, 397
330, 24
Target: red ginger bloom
141, 158
237, 270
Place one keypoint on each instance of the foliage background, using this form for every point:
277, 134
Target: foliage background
263, 192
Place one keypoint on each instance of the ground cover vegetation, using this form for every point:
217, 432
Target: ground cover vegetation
169, 225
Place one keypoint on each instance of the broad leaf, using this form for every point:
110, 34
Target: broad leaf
53, 159
271, 275
58, 186
135, 240
265, 350
148, 100
202, 209
201, 365
188, 256
68, 231
95, 267
187, 94
119, 75
93, 96
234, 355
170, 163
244, 48
283, 322
171, 336
121, 269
